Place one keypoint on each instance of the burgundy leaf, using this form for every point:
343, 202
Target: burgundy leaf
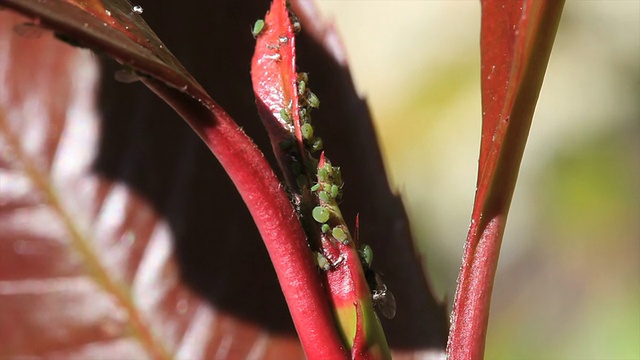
243, 162
115, 28
87, 265
219, 254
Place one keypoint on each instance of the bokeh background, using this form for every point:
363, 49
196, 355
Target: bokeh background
568, 283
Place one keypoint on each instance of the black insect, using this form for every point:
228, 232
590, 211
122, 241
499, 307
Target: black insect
382, 298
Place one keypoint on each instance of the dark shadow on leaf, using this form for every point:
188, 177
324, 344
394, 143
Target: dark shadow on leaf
146, 145
151, 149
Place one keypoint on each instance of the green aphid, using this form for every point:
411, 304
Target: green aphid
320, 214
315, 187
313, 100
285, 116
324, 196
322, 175
317, 144
340, 235
257, 28
328, 168
321, 261
302, 87
334, 191
366, 254
304, 115
307, 131
325, 228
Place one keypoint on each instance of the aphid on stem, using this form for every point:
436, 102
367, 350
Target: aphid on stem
307, 131
320, 214
340, 235
321, 261
317, 145
313, 100
284, 115
257, 28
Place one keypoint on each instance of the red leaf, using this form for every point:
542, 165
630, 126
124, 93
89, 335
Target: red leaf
112, 27
86, 265
516, 42
243, 162
384, 222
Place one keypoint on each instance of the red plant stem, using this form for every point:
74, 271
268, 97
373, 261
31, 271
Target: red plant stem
274, 216
516, 42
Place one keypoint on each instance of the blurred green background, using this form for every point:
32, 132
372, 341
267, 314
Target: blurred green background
568, 283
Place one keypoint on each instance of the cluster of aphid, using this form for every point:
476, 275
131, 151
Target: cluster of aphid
308, 102
302, 165
326, 191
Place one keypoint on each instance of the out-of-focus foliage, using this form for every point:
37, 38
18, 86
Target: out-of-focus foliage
568, 281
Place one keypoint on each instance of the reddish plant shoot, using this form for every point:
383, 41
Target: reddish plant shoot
516, 42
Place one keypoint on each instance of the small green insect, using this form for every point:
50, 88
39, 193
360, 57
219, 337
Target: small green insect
257, 28
313, 100
304, 115
320, 214
302, 87
285, 116
366, 254
323, 196
327, 166
315, 187
325, 228
317, 144
307, 131
322, 175
340, 235
321, 261
334, 191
